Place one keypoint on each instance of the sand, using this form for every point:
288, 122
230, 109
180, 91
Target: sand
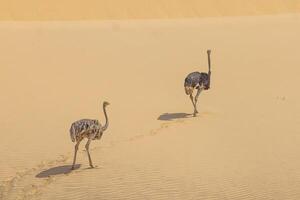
139, 9
244, 144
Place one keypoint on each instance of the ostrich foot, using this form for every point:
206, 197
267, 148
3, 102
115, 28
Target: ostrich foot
195, 112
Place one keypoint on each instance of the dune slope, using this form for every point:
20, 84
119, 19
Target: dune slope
243, 145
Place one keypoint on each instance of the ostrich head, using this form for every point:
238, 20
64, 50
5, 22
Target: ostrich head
105, 103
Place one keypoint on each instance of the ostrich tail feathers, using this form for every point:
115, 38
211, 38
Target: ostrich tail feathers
72, 134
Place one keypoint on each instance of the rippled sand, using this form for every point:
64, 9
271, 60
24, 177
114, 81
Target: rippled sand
243, 145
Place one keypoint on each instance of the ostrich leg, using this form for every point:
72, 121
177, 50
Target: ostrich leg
75, 153
192, 99
87, 146
196, 100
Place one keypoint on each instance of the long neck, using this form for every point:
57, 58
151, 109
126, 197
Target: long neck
106, 119
209, 72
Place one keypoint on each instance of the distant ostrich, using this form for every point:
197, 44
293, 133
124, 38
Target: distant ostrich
90, 129
199, 81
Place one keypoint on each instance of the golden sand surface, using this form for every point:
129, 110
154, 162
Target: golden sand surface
244, 144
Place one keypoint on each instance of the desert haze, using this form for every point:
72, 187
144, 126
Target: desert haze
243, 144
139, 9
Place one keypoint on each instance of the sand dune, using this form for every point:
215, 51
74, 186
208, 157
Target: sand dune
139, 9
243, 145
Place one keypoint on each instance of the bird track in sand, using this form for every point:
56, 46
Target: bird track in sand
26, 185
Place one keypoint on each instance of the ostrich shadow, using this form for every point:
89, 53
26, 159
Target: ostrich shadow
64, 169
173, 116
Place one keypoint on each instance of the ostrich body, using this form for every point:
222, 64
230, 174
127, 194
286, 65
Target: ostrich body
90, 129
199, 81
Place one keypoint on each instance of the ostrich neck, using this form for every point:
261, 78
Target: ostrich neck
209, 72
106, 119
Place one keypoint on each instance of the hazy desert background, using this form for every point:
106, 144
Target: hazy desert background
137, 9
244, 144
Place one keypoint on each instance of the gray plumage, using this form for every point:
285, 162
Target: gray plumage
87, 128
199, 81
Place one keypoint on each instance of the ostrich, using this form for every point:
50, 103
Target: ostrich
199, 81
90, 129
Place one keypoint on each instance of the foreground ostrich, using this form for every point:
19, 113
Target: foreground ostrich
90, 129
199, 81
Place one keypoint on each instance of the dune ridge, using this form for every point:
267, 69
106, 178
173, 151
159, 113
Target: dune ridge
140, 9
